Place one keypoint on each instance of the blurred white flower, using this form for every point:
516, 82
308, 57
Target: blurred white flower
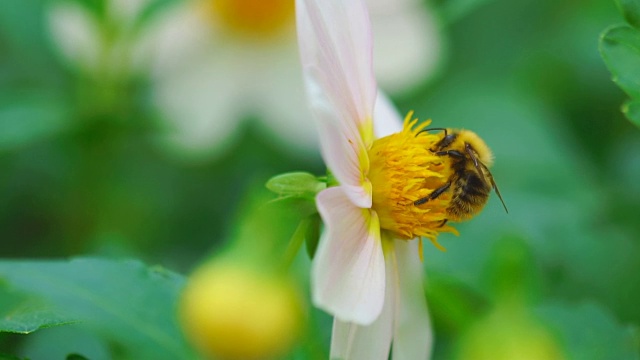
215, 63
99, 45
367, 269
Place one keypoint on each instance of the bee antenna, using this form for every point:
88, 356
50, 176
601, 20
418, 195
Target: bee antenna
495, 187
433, 129
493, 182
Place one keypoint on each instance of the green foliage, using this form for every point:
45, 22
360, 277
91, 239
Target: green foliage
620, 49
25, 120
631, 109
22, 313
296, 184
631, 11
125, 302
590, 332
312, 235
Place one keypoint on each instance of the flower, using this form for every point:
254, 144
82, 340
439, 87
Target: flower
367, 270
230, 309
215, 63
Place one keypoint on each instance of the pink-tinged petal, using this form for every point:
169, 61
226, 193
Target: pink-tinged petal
348, 272
413, 338
346, 164
386, 118
335, 48
356, 342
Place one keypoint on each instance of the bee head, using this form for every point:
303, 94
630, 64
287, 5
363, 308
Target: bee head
476, 144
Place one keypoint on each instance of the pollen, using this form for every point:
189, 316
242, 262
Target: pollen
403, 170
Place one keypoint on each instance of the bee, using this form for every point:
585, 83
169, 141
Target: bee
471, 181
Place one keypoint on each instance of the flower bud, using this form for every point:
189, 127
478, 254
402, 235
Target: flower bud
232, 311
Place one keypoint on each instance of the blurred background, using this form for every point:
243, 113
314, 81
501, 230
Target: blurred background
137, 128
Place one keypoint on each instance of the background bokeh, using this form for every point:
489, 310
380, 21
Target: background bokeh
90, 164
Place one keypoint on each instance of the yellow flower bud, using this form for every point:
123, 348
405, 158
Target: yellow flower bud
510, 333
230, 311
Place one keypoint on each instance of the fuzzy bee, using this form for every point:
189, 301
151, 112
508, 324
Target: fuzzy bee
471, 181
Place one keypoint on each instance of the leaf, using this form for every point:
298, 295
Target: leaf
589, 332
620, 49
10, 357
312, 234
631, 109
631, 11
296, 184
29, 119
124, 301
23, 314
76, 357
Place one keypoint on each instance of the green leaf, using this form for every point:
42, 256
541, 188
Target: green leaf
23, 314
620, 49
631, 109
76, 357
631, 11
296, 184
29, 119
127, 303
312, 234
10, 357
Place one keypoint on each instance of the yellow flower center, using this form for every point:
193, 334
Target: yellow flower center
404, 170
253, 18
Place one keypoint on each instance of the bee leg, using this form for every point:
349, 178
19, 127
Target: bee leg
443, 223
434, 194
452, 153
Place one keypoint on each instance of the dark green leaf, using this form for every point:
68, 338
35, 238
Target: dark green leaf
312, 235
620, 49
21, 313
76, 357
129, 304
10, 357
631, 11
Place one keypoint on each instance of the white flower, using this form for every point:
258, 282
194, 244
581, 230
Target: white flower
211, 69
367, 270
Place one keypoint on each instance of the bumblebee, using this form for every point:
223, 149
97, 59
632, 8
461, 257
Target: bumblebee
471, 181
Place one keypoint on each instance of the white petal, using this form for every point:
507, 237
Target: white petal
386, 118
335, 48
348, 272
76, 33
356, 342
413, 338
173, 38
202, 106
282, 101
407, 47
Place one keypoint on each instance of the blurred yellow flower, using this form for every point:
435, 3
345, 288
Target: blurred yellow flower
510, 332
231, 311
